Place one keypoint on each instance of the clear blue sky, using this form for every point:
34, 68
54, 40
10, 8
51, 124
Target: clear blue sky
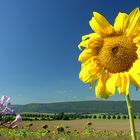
38, 47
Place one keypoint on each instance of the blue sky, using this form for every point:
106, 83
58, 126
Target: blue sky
38, 48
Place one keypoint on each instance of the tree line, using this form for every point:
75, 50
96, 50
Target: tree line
73, 116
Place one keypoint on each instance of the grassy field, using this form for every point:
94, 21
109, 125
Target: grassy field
98, 124
87, 129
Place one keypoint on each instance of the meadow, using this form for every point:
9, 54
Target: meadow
78, 129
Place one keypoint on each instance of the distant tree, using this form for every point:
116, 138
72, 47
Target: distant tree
124, 116
86, 116
104, 116
90, 116
109, 117
113, 117
65, 117
94, 116
135, 117
118, 116
59, 116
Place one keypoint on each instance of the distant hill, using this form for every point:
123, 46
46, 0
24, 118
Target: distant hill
79, 107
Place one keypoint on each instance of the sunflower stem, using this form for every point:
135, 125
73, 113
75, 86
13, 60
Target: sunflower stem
131, 118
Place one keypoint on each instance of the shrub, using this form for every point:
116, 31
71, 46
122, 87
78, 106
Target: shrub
113, 117
104, 116
109, 117
45, 126
118, 116
124, 117
60, 129
89, 123
94, 116
135, 117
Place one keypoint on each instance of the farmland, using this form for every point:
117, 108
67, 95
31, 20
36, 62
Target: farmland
73, 121
98, 124
79, 129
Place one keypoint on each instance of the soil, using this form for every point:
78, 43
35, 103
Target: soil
103, 124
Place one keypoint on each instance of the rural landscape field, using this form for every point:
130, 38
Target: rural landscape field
69, 70
77, 125
100, 128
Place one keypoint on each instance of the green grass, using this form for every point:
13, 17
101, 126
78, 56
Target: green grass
88, 133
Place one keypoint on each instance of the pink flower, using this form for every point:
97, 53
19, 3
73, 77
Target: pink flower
13, 126
4, 98
18, 118
1, 105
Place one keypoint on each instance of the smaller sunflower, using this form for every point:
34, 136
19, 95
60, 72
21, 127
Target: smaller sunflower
112, 54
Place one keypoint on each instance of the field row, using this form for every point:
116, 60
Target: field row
86, 129
71, 116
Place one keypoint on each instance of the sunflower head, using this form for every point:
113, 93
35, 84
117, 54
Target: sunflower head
112, 54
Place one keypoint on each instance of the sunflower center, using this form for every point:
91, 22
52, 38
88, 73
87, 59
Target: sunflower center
117, 54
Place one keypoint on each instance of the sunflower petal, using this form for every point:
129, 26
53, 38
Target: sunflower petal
132, 16
111, 84
86, 54
136, 66
100, 89
120, 22
100, 25
135, 79
123, 85
86, 39
84, 74
133, 23
89, 72
120, 83
126, 84
137, 40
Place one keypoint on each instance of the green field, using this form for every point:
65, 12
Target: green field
86, 129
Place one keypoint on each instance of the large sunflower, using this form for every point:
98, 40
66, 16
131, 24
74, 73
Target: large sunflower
112, 54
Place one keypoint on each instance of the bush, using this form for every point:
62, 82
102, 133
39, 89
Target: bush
109, 117
94, 116
118, 117
45, 126
60, 129
104, 116
124, 117
113, 117
135, 117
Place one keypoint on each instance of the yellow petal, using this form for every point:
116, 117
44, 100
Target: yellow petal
136, 67
133, 23
83, 43
137, 39
120, 83
86, 54
89, 72
126, 84
138, 53
111, 84
100, 25
120, 22
123, 85
100, 89
135, 79
95, 41
91, 84
86, 39
84, 74
132, 16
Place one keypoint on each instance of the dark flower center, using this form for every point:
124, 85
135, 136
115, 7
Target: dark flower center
117, 54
